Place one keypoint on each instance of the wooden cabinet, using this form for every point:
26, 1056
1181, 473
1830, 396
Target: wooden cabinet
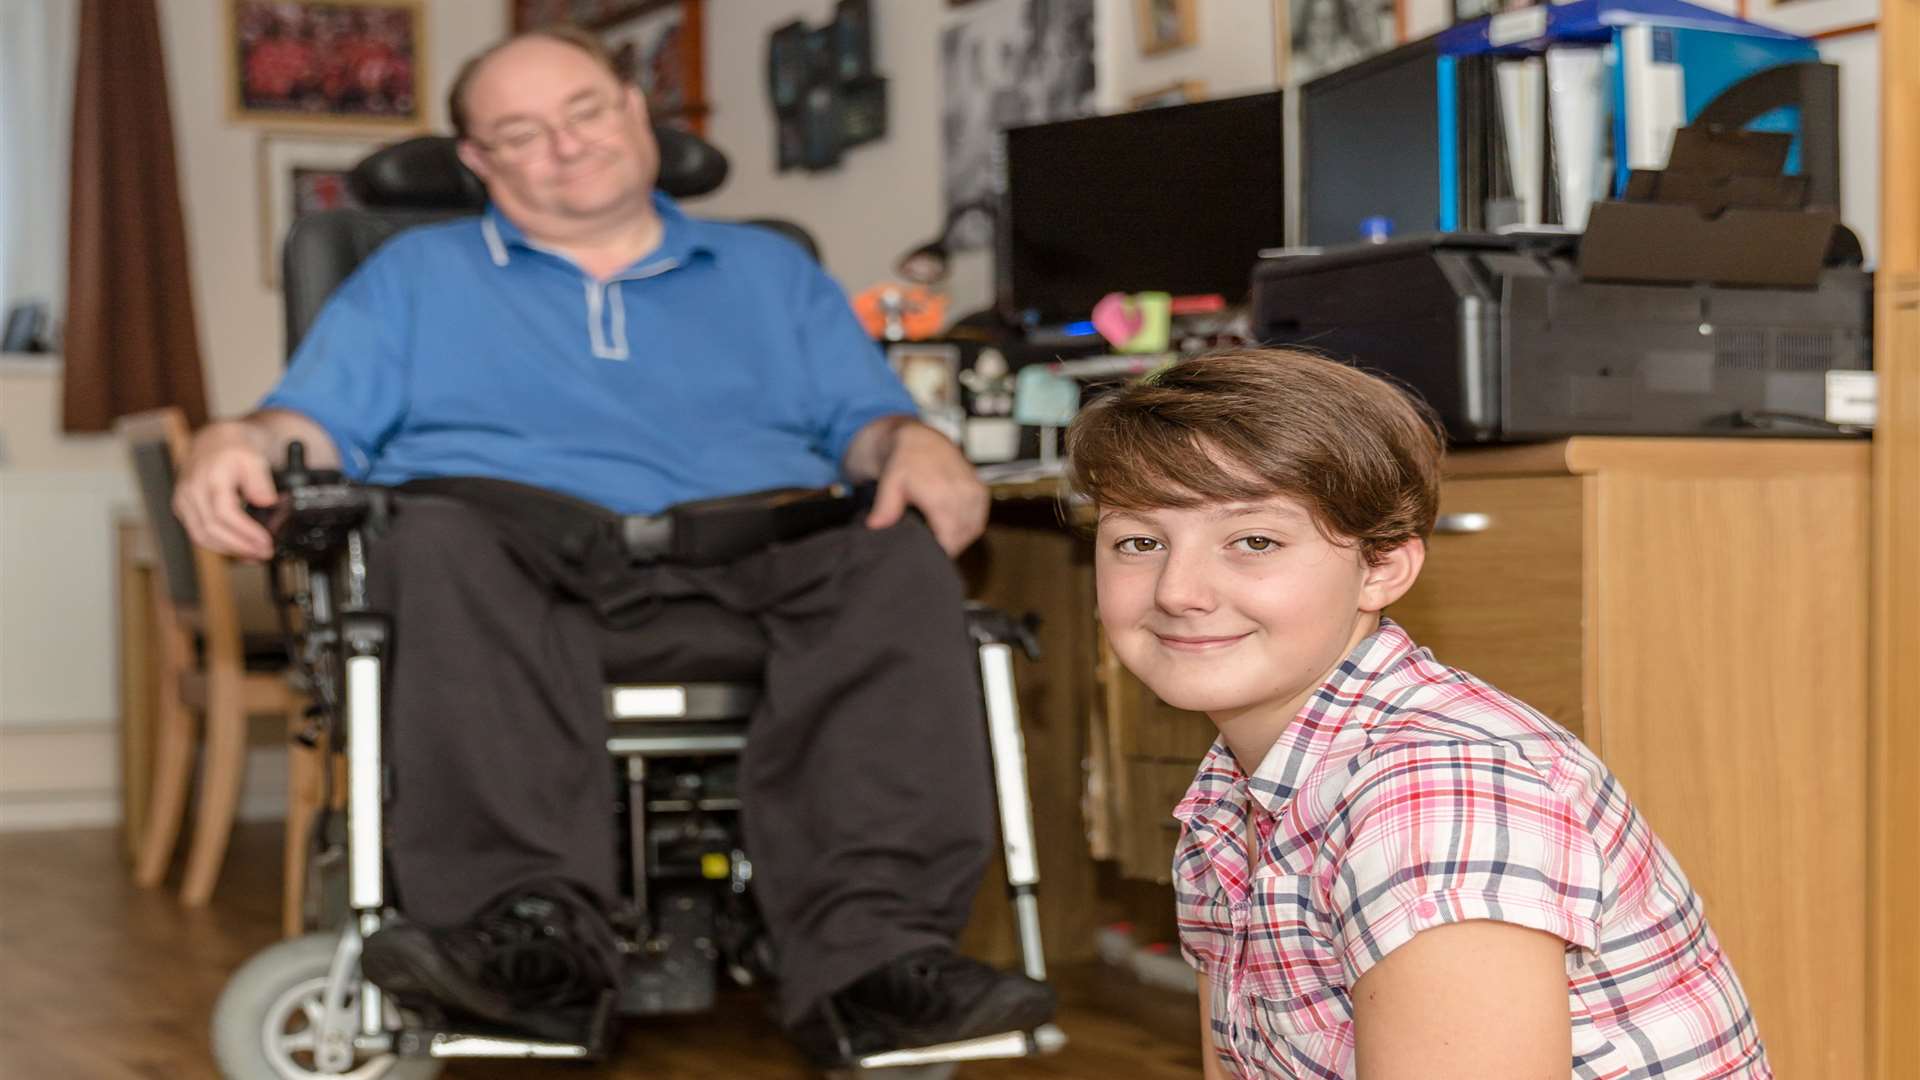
1695, 610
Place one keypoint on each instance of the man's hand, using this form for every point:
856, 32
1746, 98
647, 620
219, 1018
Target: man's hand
226, 469
920, 467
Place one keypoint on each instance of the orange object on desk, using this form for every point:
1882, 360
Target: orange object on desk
922, 311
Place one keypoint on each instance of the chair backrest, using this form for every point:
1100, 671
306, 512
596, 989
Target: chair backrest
197, 582
422, 180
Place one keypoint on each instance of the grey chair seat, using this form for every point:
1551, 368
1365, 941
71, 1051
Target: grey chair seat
656, 719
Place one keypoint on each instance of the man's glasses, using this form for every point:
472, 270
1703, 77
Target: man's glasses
588, 121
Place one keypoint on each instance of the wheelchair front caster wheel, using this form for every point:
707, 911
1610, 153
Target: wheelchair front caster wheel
266, 1025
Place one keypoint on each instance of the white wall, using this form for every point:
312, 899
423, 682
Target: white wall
59, 494
1859, 58
885, 197
240, 335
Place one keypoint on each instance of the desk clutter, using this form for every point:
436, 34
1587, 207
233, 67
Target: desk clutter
1595, 217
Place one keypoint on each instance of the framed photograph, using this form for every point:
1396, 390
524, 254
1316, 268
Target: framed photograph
655, 44
1183, 92
1815, 18
301, 174
931, 374
1469, 10
358, 62
659, 49
530, 14
1166, 24
1327, 35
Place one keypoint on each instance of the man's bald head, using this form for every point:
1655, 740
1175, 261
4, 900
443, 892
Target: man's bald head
470, 71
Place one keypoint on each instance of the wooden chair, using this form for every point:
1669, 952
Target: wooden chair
208, 668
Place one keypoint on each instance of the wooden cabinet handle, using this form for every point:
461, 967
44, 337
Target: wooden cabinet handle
1461, 524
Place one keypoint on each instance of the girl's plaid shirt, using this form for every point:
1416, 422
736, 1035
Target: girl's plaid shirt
1406, 795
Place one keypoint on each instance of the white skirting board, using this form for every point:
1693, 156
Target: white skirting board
69, 779
59, 672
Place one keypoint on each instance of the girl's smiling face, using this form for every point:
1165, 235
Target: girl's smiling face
1238, 609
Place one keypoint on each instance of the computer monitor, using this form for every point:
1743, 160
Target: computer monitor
1179, 199
1369, 147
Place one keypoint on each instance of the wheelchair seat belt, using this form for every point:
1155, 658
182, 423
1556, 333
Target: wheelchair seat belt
707, 532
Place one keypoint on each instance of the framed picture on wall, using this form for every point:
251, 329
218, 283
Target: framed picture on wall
1468, 10
528, 14
1327, 35
655, 44
658, 48
1184, 92
1815, 17
1166, 24
301, 174
359, 62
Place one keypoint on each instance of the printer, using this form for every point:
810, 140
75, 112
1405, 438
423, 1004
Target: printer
1509, 341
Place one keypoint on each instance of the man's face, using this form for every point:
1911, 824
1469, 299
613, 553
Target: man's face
1230, 609
555, 137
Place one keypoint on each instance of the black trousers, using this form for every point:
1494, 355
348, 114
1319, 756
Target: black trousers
865, 783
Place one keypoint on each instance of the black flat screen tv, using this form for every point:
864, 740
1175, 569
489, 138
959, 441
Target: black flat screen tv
1179, 199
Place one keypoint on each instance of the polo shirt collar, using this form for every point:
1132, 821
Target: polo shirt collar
1307, 739
681, 236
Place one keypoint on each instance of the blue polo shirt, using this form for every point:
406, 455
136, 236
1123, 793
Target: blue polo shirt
726, 361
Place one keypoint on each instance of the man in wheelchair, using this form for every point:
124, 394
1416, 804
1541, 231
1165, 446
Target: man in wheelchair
582, 351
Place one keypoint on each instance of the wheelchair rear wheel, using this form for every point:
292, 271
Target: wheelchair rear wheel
266, 1025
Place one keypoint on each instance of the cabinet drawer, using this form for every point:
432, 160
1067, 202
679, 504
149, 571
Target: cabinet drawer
1154, 789
1143, 725
1501, 595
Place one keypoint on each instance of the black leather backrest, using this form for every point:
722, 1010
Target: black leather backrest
426, 173
323, 248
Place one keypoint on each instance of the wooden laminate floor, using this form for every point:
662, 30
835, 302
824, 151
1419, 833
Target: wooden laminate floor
100, 980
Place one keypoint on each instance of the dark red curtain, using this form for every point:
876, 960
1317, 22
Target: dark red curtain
131, 344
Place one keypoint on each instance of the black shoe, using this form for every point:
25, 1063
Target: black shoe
527, 964
925, 998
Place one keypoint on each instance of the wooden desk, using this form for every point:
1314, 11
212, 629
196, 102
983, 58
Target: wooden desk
1697, 611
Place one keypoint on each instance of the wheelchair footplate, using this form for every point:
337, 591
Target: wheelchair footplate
444, 1041
1045, 1039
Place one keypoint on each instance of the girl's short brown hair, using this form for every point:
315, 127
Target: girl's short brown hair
1359, 453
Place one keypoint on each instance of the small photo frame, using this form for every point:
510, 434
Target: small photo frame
931, 374
1165, 25
1184, 92
1816, 18
658, 48
525, 15
358, 62
301, 174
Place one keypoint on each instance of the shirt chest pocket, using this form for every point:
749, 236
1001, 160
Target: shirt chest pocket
1290, 968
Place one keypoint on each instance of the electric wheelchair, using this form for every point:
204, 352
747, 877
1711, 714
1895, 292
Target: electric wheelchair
687, 922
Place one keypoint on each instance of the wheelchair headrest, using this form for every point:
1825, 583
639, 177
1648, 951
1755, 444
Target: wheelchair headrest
426, 173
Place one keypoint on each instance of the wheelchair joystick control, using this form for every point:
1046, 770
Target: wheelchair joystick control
317, 508
295, 474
